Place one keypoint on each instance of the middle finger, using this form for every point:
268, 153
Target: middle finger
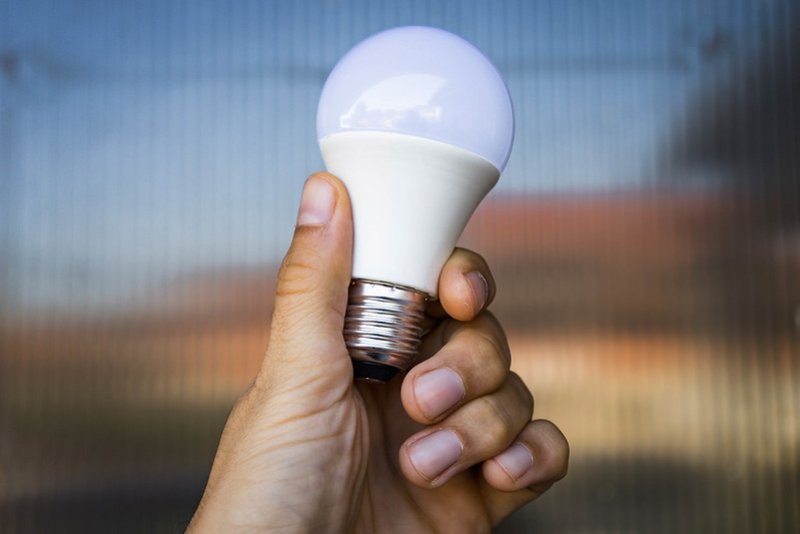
473, 361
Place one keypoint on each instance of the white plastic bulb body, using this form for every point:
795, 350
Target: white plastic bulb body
418, 124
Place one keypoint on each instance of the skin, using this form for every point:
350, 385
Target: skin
306, 449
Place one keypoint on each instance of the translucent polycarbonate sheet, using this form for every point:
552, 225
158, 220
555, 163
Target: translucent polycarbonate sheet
645, 240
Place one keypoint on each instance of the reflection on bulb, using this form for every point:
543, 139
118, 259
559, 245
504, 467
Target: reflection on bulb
418, 124
381, 106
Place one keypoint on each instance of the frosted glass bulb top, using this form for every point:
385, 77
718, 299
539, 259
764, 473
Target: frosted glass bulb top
423, 82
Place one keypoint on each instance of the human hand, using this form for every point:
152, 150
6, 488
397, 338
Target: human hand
449, 447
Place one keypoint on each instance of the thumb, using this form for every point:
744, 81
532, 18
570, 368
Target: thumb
311, 295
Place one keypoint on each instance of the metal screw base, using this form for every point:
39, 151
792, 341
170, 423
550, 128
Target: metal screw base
383, 328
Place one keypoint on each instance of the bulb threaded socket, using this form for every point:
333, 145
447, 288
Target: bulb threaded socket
383, 328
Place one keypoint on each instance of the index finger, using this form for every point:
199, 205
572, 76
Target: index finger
466, 286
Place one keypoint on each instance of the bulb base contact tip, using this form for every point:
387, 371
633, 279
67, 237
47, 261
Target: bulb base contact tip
383, 328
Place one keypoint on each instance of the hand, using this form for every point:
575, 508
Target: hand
449, 447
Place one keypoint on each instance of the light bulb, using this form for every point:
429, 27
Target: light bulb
418, 124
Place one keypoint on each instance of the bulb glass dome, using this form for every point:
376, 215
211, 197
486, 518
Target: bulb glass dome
423, 82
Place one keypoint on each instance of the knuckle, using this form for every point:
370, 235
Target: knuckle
298, 273
560, 464
493, 331
495, 353
562, 459
490, 360
497, 424
558, 450
524, 392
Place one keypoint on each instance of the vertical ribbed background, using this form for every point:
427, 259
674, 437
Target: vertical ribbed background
645, 239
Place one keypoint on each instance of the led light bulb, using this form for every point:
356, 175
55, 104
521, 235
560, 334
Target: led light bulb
418, 124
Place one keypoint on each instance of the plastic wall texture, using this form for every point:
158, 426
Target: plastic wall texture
645, 237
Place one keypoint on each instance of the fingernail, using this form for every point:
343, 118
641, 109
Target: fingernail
316, 205
434, 453
480, 287
437, 391
515, 460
